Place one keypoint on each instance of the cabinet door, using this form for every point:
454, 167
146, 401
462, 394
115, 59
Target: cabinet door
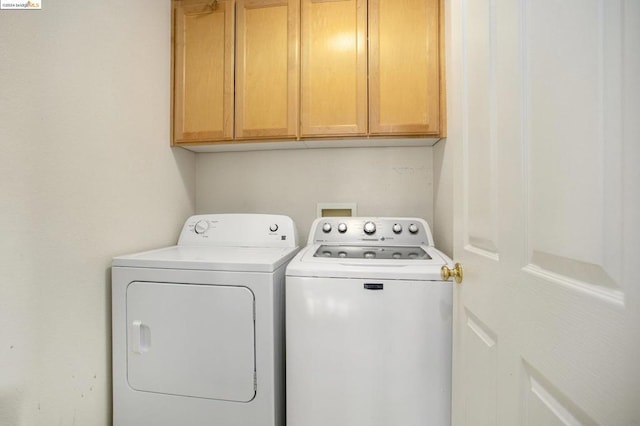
404, 67
267, 68
203, 71
334, 67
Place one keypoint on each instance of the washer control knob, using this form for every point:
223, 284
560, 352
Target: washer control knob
397, 228
201, 227
413, 228
369, 228
273, 228
342, 228
326, 228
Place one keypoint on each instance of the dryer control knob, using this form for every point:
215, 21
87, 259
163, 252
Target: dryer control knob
413, 228
342, 228
273, 228
201, 227
397, 228
369, 228
326, 228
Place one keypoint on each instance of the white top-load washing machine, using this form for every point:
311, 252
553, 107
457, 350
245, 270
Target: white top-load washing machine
198, 328
368, 326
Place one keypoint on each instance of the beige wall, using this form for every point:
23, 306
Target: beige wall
85, 173
443, 196
382, 181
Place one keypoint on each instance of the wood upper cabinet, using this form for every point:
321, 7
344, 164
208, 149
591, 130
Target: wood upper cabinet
267, 34
246, 70
334, 67
203, 71
404, 67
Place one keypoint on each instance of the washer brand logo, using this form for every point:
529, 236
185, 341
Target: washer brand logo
373, 286
19, 4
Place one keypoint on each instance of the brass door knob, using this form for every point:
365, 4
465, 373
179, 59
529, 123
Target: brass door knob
455, 273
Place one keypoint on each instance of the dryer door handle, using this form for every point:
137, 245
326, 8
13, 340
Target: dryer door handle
140, 337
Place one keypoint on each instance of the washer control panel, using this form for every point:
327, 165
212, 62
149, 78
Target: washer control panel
354, 230
249, 230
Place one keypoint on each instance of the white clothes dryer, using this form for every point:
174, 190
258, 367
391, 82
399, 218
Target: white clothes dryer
368, 326
198, 328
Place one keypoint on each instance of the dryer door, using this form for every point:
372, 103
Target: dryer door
191, 340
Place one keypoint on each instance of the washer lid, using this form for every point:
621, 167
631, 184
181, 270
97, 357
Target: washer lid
372, 252
426, 268
241, 259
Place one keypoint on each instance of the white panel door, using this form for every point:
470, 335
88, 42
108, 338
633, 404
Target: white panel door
191, 340
544, 118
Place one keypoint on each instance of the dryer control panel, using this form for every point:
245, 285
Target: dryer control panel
239, 230
371, 230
